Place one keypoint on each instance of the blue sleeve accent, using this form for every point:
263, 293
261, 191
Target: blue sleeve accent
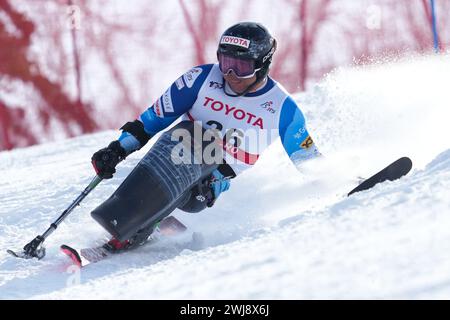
294, 136
175, 101
154, 124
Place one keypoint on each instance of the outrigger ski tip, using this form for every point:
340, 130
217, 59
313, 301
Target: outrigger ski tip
24, 255
13, 253
34, 249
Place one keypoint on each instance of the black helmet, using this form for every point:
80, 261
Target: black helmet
249, 40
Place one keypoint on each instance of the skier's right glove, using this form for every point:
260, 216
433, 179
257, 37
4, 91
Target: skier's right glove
105, 160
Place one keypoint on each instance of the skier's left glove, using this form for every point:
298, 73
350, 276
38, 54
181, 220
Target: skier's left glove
218, 183
105, 160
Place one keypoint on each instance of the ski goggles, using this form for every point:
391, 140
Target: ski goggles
240, 67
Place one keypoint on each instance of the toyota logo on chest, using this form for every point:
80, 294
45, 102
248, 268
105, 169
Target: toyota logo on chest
237, 113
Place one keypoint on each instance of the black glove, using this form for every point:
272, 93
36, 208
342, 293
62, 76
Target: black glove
106, 159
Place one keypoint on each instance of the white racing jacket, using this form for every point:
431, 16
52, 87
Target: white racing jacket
249, 124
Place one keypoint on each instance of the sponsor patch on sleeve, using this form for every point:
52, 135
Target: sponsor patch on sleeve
158, 110
307, 143
167, 102
190, 76
179, 83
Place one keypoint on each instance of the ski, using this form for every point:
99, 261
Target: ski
394, 171
167, 227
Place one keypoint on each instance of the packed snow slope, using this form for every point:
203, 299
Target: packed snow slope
278, 233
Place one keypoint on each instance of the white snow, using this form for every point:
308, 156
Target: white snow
278, 233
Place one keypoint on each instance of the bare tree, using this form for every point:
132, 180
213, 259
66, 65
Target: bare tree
18, 66
307, 21
202, 28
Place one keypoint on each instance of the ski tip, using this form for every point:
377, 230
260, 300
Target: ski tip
12, 253
407, 162
394, 171
72, 254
